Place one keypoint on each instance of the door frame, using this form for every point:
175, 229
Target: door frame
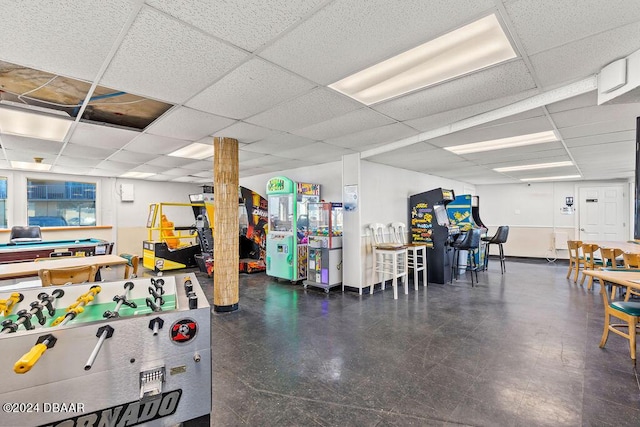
627, 201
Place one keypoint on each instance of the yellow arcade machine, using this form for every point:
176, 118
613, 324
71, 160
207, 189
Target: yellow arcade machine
169, 247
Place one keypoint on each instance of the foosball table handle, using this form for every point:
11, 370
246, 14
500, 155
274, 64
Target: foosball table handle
26, 362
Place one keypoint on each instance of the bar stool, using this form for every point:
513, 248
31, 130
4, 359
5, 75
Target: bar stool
388, 259
497, 239
416, 253
469, 242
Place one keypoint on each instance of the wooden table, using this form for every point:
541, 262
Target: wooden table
30, 268
621, 278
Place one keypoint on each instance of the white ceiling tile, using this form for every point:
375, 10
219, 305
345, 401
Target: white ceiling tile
169, 162
248, 155
147, 143
147, 168
445, 118
68, 161
317, 151
189, 124
352, 122
85, 152
350, 35
102, 136
253, 87
597, 128
165, 59
569, 62
263, 161
588, 99
366, 138
313, 107
15, 142
602, 113
49, 35
117, 168
132, 157
495, 82
543, 24
177, 172
71, 170
246, 132
628, 135
245, 23
275, 144
206, 165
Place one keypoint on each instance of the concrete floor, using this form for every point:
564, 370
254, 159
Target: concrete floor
519, 349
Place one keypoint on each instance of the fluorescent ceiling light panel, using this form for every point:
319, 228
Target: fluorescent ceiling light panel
32, 125
552, 178
478, 45
499, 144
137, 175
195, 150
30, 166
535, 166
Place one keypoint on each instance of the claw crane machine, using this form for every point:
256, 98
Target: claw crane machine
288, 224
325, 245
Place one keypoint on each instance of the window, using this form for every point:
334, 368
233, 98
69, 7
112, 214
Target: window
3, 202
61, 203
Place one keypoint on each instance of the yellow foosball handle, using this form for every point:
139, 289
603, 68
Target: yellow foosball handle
26, 362
73, 311
6, 305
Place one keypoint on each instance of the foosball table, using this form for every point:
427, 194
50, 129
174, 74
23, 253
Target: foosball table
121, 353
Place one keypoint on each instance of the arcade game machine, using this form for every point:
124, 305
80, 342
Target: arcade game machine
288, 223
460, 212
430, 225
475, 212
325, 245
203, 211
169, 247
106, 353
253, 215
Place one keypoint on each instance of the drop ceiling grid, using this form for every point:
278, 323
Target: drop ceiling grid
599, 128
613, 151
491, 131
102, 136
86, 152
247, 24
350, 35
353, 122
315, 151
67, 161
445, 118
278, 143
246, 133
622, 136
49, 35
132, 157
165, 59
313, 107
157, 144
545, 24
380, 135
491, 83
168, 161
252, 88
595, 114
16, 142
188, 124
585, 57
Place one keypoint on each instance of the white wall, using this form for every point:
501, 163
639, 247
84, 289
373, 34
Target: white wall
533, 214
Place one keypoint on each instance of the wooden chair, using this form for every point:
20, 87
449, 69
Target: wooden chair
626, 311
575, 259
609, 256
64, 276
131, 268
631, 260
590, 261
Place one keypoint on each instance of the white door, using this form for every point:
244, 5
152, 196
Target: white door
602, 213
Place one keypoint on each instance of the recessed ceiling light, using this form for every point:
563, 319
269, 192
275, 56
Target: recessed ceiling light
194, 150
552, 178
478, 45
33, 166
499, 144
33, 125
535, 166
137, 175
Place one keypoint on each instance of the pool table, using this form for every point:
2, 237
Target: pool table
28, 251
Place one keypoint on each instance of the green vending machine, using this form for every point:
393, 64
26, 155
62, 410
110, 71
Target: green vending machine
288, 227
